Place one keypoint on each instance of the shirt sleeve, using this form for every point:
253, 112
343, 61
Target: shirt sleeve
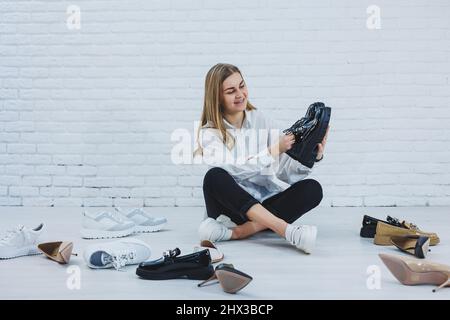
288, 170
291, 171
216, 154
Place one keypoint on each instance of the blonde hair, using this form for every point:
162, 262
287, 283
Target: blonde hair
212, 107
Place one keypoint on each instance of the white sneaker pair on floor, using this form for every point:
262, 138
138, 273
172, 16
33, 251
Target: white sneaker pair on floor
116, 254
21, 241
301, 236
118, 223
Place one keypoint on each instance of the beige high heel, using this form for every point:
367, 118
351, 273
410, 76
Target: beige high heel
230, 279
413, 271
59, 251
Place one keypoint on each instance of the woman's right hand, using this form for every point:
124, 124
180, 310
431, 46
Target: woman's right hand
284, 144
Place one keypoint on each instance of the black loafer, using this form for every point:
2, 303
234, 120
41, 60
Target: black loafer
196, 266
369, 225
309, 131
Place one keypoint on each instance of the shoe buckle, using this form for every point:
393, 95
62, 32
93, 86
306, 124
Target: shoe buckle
393, 220
171, 253
413, 226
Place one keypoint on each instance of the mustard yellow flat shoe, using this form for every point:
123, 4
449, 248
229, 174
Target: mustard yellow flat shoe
385, 232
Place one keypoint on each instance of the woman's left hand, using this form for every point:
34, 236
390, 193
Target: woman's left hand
321, 146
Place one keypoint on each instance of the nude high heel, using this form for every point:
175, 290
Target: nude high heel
413, 271
59, 251
230, 279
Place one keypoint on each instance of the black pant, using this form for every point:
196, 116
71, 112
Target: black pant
224, 196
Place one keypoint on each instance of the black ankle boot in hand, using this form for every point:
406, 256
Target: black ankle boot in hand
309, 131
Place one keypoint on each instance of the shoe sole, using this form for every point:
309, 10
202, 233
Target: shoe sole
101, 234
231, 282
202, 273
149, 229
408, 277
304, 155
26, 251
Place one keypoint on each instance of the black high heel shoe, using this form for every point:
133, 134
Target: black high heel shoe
412, 244
231, 280
196, 266
309, 131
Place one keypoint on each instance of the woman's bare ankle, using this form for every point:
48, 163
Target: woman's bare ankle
236, 234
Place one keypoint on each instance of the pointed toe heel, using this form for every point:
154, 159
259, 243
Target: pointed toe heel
415, 272
59, 251
65, 252
231, 280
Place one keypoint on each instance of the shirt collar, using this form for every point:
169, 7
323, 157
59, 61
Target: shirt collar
246, 124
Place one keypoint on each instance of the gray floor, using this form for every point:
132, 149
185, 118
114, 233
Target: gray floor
336, 270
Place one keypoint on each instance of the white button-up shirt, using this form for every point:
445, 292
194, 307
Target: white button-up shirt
249, 161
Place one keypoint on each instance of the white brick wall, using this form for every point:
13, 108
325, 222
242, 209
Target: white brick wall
86, 115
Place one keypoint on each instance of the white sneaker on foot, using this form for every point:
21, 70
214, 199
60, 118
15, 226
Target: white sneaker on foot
105, 225
116, 254
144, 221
21, 241
213, 231
302, 236
226, 221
